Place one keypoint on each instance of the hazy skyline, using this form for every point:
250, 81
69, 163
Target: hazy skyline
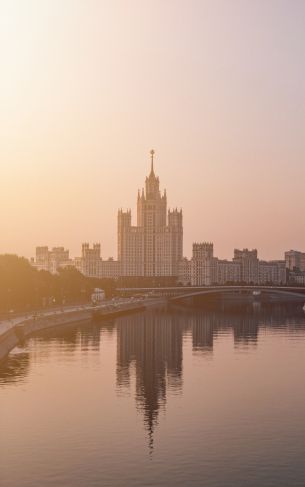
87, 88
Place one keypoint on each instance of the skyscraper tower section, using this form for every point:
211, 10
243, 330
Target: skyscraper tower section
154, 247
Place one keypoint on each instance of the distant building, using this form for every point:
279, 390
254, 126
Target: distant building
272, 272
42, 258
204, 269
227, 272
202, 264
248, 261
296, 277
185, 272
152, 248
295, 260
109, 268
88, 263
91, 263
51, 260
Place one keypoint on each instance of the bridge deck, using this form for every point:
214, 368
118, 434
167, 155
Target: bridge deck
180, 292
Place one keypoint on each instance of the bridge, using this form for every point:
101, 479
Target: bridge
280, 293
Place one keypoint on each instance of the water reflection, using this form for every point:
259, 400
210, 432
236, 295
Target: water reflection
150, 346
15, 368
153, 344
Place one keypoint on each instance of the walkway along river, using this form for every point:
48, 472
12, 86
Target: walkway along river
12, 331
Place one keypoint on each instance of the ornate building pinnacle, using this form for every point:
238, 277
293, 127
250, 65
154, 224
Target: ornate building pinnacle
152, 153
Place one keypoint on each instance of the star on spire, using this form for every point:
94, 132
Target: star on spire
152, 153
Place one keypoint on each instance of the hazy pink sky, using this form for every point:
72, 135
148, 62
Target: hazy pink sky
217, 88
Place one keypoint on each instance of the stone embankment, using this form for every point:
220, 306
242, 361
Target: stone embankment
15, 330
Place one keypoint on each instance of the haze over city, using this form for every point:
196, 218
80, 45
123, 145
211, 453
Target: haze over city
88, 88
152, 244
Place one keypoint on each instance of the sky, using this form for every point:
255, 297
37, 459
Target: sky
216, 88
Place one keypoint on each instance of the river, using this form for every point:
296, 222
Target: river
167, 397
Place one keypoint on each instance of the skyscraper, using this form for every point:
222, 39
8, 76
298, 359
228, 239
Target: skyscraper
152, 248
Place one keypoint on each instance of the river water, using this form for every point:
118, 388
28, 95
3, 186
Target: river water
181, 397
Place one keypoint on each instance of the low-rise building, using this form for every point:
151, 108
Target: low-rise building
296, 278
295, 260
203, 264
51, 260
204, 269
272, 272
227, 272
185, 272
109, 268
91, 263
249, 265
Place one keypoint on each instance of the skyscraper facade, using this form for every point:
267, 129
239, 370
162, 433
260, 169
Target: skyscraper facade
154, 247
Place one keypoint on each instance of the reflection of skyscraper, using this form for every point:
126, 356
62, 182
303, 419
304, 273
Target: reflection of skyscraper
151, 345
153, 341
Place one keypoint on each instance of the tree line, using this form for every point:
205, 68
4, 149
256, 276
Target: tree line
22, 287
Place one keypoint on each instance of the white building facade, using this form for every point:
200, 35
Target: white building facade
295, 260
203, 262
154, 247
91, 263
51, 260
205, 270
272, 272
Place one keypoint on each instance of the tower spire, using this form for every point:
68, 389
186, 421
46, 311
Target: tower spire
152, 153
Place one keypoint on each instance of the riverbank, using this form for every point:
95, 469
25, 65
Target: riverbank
14, 331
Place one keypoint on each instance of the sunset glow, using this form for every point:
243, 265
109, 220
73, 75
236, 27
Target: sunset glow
87, 88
